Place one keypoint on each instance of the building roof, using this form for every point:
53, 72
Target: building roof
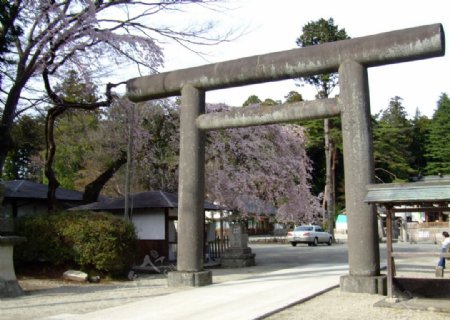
253, 205
148, 199
24, 189
434, 191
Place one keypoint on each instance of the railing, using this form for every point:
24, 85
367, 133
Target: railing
427, 231
419, 254
439, 272
215, 248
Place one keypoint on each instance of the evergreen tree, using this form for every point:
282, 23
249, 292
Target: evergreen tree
9, 32
421, 128
70, 130
270, 102
393, 136
438, 146
314, 33
253, 99
318, 32
293, 96
28, 141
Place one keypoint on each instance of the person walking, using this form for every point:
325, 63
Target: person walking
444, 248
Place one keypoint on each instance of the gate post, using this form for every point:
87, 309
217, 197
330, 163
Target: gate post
363, 248
190, 271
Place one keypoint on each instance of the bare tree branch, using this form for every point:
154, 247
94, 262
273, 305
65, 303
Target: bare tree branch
385, 171
59, 35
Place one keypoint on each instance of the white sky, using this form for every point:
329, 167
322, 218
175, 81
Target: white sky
275, 25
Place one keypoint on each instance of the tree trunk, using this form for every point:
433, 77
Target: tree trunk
332, 204
93, 189
5, 143
53, 183
329, 194
129, 173
8, 115
9, 111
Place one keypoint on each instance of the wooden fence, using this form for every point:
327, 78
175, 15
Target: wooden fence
214, 249
427, 231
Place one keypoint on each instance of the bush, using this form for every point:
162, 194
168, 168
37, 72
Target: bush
88, 240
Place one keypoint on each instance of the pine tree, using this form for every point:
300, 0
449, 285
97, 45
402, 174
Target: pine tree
314, 33
392, 140
421, 129
438, 147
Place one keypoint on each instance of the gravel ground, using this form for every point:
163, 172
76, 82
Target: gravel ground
45, 298
49, 297
351, 306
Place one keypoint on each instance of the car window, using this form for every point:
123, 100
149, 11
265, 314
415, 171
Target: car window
303, 228
319, 229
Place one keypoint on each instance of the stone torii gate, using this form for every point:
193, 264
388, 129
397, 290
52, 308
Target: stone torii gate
351, 58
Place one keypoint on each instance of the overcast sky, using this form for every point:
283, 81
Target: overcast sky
272, 26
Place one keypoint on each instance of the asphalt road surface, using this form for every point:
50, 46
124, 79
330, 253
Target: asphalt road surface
281, 256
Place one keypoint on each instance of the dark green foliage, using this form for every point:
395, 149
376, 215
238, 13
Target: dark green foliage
27, 141
44, 240
319, 32
421, 130
270, 102
9, 29
253, 99
71, 129
393, 137
293, 96
158, 161
438, 146
90, 241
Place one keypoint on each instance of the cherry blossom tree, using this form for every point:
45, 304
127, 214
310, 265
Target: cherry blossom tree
93, 37
264, 165
261, 164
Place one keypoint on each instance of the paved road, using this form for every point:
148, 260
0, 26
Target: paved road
281, 256
286, 256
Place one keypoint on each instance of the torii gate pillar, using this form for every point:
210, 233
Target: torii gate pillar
191, 189
363, 250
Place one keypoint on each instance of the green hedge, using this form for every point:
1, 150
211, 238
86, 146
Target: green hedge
88, 240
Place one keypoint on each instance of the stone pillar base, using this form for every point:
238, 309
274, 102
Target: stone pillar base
237, 258
364, 284
189, 278
10, 289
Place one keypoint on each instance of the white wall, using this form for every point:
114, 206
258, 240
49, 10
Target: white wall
150, 226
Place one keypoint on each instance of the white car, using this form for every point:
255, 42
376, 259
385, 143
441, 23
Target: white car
311, 234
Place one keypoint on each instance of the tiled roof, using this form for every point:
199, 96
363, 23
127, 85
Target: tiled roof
25, 189
434, 191
148, 199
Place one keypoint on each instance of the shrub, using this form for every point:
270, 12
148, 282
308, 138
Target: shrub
88, 240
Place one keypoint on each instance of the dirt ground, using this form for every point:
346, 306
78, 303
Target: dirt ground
45, 298
352, 306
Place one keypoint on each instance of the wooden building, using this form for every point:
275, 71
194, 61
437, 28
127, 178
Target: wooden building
154, 215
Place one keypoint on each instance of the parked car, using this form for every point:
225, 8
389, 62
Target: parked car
311, 234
